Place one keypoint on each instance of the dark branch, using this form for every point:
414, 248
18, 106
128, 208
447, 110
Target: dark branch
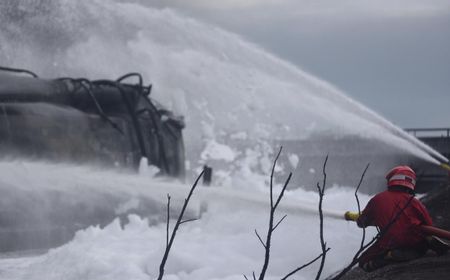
359, 185
321, 195
363, 238
319, 189
260, 239
282, 190
275, 227
324, 173
168, 221
187, 221
273, 208
304, 266
175, 229
271, 176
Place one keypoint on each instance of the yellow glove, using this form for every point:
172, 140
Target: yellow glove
351, 216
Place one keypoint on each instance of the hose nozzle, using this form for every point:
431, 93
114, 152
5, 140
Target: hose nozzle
351, 216
445, 166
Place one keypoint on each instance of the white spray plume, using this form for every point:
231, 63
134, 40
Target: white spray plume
214, 77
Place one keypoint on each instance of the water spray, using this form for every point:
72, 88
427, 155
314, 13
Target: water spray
428, 230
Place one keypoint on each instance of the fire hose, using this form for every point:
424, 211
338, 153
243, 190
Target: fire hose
428, 230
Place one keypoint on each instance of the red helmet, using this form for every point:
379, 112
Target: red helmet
401, 175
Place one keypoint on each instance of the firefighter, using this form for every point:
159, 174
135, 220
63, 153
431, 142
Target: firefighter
397, 214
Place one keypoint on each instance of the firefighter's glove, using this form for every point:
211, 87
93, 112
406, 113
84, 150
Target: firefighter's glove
351, 216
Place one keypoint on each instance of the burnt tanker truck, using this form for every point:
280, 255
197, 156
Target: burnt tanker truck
112, 123
108, 122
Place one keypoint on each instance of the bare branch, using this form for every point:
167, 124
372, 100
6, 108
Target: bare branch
319, 189
321, 195
245, 276
275, 227
174, 232
187, 221
359, 185
283, 189
324, 173
271, 176
363, 238
260, 239
305, 265
168, 220
273, 208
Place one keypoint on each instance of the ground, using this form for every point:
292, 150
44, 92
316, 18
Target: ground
428, 267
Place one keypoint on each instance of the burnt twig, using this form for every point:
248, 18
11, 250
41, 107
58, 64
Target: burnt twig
271, 228
323, 244
260, 239
363, 238
279, 222
303, 266
273, 208
169, 243
168, 220
187, 221
321, 190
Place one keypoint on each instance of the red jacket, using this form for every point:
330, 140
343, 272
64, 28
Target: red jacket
383, 208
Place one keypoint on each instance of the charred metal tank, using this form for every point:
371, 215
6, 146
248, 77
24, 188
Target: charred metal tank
106, 122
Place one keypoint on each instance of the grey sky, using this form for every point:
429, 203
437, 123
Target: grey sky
392, 55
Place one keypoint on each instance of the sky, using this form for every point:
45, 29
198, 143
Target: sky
391, 55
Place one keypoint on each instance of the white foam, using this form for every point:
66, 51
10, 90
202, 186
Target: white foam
220, 245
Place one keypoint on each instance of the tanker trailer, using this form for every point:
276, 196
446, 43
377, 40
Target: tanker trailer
107, 122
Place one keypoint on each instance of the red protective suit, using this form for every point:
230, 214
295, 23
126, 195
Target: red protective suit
403, 233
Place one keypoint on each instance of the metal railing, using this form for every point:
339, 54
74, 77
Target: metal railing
443, 132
